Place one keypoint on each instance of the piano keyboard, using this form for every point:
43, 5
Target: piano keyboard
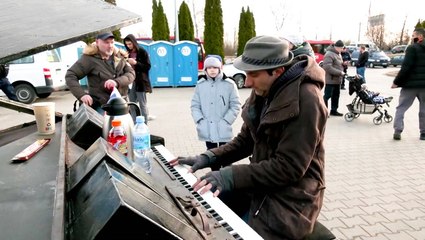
223, 214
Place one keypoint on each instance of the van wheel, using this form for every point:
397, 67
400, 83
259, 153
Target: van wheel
43, 95
25, 93
240, 81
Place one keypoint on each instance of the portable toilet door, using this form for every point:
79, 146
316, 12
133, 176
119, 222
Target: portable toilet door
161, 56
185, 63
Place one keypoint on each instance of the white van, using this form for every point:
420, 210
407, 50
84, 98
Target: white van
37, 75
355, 46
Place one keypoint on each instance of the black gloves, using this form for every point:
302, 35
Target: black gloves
221, 180
197, 162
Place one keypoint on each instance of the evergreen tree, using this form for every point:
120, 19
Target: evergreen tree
246, 29
160, 29
251, 24
213, 32
155, 25
186, 29
165, 33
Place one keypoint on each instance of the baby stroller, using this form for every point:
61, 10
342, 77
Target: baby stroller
366, 102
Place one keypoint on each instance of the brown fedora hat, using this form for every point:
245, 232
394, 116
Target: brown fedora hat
262, 53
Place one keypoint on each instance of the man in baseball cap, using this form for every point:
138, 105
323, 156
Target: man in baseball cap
105, 36
282, 134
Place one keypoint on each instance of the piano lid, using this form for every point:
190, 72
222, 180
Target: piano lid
32, 26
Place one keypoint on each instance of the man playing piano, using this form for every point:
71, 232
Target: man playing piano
283, 132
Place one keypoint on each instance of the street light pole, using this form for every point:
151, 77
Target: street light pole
176, 22
360, 27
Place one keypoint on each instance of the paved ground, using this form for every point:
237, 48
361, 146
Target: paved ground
375, 185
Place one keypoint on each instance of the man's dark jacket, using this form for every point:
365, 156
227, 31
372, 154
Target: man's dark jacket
285, 142
363, 58
412, 72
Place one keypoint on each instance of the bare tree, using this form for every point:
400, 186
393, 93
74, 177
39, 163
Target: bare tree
402, 31
376, 34
198, 17
280, 14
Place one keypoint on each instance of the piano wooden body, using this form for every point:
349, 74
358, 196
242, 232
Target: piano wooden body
68, 192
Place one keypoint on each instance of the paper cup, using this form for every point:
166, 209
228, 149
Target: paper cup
45, 117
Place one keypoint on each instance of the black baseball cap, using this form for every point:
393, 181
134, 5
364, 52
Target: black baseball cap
105, 36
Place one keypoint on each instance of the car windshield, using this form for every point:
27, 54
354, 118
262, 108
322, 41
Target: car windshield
379, 54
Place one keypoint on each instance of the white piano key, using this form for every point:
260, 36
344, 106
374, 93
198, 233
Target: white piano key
239, 226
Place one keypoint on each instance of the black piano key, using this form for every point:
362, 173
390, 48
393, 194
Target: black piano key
237, 237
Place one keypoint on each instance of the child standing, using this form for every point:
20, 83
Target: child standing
215, 104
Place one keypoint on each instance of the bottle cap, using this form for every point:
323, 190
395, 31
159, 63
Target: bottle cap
140, 119
116, 123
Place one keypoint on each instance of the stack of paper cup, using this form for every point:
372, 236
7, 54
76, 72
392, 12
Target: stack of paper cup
45, 117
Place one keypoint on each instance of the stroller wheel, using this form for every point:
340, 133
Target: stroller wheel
388, 118
349, 117
377, 120
356, 115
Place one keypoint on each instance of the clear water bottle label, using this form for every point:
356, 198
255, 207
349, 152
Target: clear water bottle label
142, 142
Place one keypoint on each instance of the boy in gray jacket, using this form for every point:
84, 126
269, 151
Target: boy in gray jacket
215, 104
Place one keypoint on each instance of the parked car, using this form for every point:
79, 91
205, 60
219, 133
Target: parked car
376, 58
37, 75
237, 75
354, 57
319, 48
398, 49
397, 60
351, 49
369, 46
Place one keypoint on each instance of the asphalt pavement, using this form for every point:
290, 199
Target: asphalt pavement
375, 186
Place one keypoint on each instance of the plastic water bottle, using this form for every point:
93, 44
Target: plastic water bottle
142, 144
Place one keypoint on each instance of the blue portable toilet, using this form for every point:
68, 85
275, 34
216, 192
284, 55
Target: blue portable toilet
144, 45
120, 45
161, 56
185, 63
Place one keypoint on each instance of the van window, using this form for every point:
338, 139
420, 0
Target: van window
28, 59
52, 56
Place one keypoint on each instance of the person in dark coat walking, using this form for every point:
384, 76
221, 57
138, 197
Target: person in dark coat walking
411, 79
282, 134
139, 60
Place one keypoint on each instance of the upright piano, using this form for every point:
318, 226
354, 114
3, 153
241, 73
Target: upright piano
69, 192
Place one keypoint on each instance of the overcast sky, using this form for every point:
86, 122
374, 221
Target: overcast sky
330, 19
